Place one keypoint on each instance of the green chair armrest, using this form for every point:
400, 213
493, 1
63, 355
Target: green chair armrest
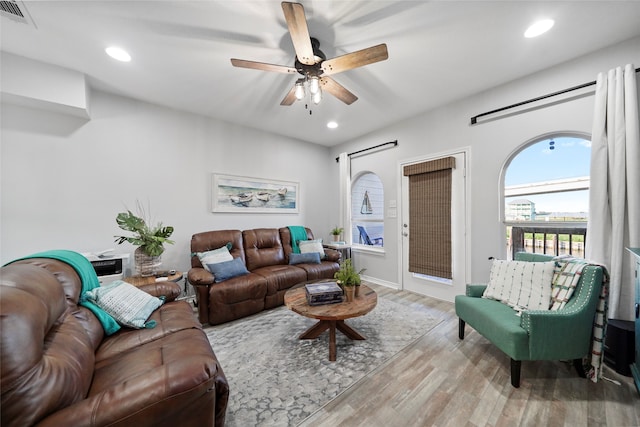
557, 335
475, 289
566, 333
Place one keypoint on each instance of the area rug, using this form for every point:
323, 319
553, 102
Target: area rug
276, 379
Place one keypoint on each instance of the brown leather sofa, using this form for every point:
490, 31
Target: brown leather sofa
265, 252
59, 369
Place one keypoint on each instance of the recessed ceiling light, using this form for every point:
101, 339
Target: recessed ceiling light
118, 53
538, 28
332, 125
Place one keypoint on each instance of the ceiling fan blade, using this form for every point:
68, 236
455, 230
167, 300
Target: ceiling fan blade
263, 66
337, 90
290, 98
297, 23
355, 59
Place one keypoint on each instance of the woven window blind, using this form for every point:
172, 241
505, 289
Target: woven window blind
430, 217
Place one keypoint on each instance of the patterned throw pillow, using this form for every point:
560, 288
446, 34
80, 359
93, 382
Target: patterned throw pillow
566, 276
315, 245
124, 302
523, 285
215, 256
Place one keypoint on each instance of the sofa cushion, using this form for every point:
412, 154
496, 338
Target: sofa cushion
314, 245
522, 285
153, 383
306, 258
209, 240
170, 317
127, 304
228, 270
215, 256
262, 247
495, 321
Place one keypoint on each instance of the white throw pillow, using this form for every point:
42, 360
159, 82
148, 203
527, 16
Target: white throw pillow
523, 285
307, 246
215, 256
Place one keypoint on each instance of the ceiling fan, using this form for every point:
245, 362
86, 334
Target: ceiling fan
312, 63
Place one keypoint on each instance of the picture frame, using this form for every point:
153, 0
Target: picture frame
242, 194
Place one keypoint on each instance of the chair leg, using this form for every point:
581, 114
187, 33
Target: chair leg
579, 368
461, 329
515, 372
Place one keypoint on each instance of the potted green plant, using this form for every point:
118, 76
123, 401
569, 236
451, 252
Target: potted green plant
348, 279
149, 239
336, 232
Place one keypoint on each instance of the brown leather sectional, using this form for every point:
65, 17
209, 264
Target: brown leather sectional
265, 252
59, 369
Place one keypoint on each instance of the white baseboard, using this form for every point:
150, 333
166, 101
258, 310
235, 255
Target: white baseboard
380, 282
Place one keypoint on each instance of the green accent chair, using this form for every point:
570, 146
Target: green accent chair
535, 335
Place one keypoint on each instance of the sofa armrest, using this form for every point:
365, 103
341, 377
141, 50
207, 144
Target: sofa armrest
332, 255
548, 334
169, 290
198, 276
475, 290
548, 337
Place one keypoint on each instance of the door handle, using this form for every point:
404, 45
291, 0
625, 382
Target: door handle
406, 234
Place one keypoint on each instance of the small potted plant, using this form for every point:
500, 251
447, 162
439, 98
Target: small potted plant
336, 232
348, 279
150, 240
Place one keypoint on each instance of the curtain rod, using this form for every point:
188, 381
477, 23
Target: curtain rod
395, 143
474, 119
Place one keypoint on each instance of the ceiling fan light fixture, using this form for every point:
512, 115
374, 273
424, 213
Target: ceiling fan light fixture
317, 97
314, 85
299, 92
332, 125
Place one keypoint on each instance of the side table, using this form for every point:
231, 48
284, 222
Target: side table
138, 280
344, 249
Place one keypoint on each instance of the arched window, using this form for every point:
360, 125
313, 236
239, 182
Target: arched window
546, 196
367, 210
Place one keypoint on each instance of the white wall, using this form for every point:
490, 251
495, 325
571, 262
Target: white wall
491, 143
29, 83
64, 179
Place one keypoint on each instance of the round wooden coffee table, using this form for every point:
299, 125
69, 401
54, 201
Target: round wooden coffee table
331, 316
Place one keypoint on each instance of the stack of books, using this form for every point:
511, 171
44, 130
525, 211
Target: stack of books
323, 293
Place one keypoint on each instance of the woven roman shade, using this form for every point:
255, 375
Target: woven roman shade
430, 217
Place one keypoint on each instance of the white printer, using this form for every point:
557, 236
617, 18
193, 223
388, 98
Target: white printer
109, 266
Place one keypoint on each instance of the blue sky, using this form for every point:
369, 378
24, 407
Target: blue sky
569, 158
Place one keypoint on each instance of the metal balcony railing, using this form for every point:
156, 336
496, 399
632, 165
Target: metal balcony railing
546, 240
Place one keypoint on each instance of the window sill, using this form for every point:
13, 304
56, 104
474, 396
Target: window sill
378, 250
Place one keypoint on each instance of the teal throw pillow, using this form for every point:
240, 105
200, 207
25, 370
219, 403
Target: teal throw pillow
306, 258
127, 304
228, 270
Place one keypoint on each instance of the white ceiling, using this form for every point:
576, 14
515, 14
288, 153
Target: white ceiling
439, 51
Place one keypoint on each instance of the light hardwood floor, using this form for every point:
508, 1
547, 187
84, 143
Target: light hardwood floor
442, 381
